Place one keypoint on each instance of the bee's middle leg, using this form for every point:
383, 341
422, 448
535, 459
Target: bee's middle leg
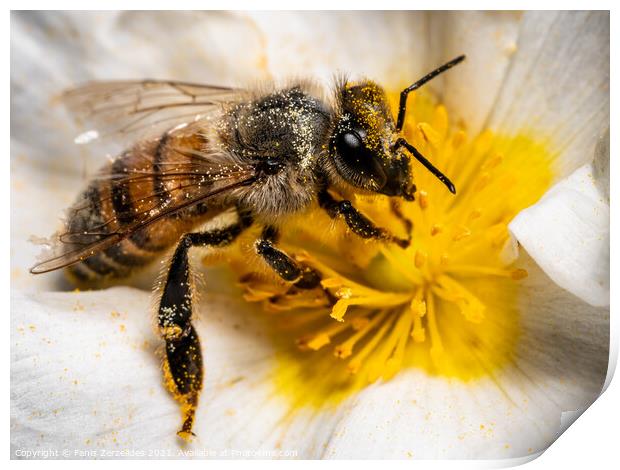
302, 277
183, 363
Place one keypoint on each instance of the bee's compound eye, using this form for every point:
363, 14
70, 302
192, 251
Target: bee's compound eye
348, 145
356, 163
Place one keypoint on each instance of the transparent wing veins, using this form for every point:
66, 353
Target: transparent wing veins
122, 107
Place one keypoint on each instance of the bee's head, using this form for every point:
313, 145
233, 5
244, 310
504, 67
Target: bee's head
365, 147
362, 146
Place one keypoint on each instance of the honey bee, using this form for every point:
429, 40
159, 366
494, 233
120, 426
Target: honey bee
263, 154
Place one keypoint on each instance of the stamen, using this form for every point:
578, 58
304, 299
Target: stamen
492, 162
418, 310
355, 363
461, 232
475, 270
377, 364
470, 306
344, 293
459, 139
430, 134
497, 234
315, 343
423, 199
345, 349
359, 323
519, 274
436, 229
436, 350
332, 282
420, 259
440, 121
483, 180
402, 265
475, 214
339, 309
323, 336
393, 364
377, 299
419, 333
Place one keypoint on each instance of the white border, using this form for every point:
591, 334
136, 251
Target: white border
310, 5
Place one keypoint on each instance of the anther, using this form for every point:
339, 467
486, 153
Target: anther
436, 229
339, 309
318, 342
430, 134
483, 180
423, 199
359, 322
420, 259
492, 162
344, 293
458, 139
476, 213
461, 232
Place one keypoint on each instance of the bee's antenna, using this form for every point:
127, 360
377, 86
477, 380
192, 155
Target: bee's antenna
428, 165
402, 105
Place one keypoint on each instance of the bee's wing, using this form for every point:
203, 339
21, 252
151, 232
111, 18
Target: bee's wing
148, 106
68, 247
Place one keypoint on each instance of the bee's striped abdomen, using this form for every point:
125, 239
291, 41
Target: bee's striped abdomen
129, 188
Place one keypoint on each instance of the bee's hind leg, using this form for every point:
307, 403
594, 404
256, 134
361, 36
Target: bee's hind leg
183, 370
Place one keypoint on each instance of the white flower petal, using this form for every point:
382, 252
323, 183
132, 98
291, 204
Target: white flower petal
79, 373
385, 46
600, 166
558, 84
559, 366
567, 231
489, 40
564, 343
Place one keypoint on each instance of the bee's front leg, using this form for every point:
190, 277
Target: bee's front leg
183, 370
356, 221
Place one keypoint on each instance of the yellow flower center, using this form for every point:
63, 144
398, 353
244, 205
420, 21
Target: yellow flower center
447, 304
